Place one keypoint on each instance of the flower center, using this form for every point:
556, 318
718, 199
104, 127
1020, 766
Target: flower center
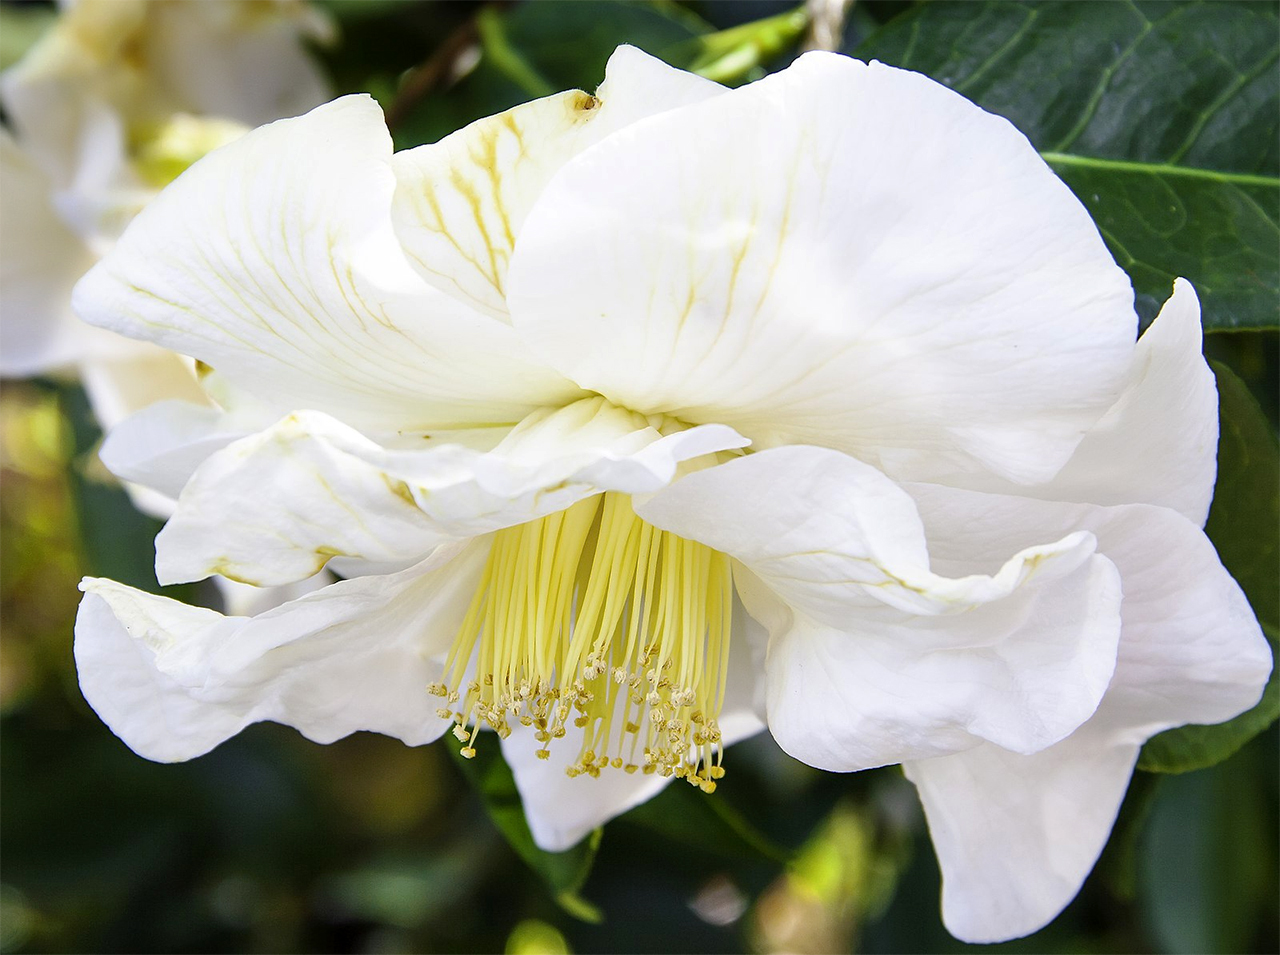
594, 617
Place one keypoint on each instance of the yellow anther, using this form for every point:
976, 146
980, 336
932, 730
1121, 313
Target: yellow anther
591, 615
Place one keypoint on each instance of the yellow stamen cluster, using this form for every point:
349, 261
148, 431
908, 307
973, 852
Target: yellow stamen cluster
592, 618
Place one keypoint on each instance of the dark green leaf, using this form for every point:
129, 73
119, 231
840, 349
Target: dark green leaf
1244, 521
1162, 117
563, 872
698, 821
1244, 524
1208, 870
1118, 864
533, 49
568, 42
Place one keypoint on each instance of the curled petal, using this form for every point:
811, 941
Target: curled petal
1017, 834
1157, 444
161, 446
461, 203
831, 535
173, 681
1022, 672
296, 288
1191, 650
910, 284
276, 506
875, 658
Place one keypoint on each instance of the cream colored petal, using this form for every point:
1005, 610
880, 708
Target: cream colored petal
118, 388
1191, 650
294, 286
75, 71
831, 535
1016, 835
460, 203
241, 60
276, 506
839, 254
1158, 443
1023, 672
173, 681
242, 600
874, 656
158, 449
40, 261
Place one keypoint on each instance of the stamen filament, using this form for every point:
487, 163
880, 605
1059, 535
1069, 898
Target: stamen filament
593, 616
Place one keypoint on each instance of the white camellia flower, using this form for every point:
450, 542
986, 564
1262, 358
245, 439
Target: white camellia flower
109, 106
642, 421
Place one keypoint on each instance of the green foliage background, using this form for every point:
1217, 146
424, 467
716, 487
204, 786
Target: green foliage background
1162, 117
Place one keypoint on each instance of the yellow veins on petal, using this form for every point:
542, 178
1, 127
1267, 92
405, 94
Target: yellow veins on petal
592, 617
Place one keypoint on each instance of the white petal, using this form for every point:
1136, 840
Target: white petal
119, 387
1191, 650
1016, 835
40, 260
174, 681
1022, 672
146, 60
242, 600
562, 810
1158, 443
831, 536
241, 62
295, 287
879, 658
50, 93
839, 254
161, 446
461, 202
276, 506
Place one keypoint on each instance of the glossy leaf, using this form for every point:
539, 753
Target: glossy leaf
1209, 858
568, 42
563, 872
1244, 524
696, 821
1162, 117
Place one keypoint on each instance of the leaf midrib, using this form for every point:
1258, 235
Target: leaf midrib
1161, 169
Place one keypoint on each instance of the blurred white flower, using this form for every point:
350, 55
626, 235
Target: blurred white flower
649, 418
117, 99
